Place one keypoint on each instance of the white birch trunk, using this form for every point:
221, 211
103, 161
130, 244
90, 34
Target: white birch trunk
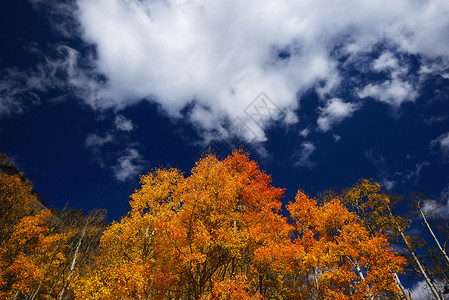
72, 267
15, 295
434, 237
400, 286
429, 282
362, 277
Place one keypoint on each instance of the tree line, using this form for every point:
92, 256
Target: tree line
218, 234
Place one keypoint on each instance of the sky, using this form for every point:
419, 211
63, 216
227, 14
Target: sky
95, 93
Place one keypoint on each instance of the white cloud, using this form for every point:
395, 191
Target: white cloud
95, 141
445, 194
336, 137
290, 118
302, 156
223, 54
15, 95
437, 119
334, 112
416, 174
442, 142
20, 90
123, 124
129, 165
58, 72
61, 14
125, 164
421, 290
398, 88
385, 62
393, 91
332, 82
388, 184
305, 132
433, 208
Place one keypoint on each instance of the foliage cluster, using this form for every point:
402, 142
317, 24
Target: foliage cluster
216, 234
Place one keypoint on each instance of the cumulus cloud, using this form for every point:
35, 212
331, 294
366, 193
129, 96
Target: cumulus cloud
393, 92
129, 164
334, 112
398, 88
302, 155
114, 151
221, 55
217, 57
385, 62
123, 124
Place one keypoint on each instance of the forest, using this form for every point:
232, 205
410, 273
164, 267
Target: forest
222, 232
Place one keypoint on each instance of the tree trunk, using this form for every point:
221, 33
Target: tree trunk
433, 235
429, 282
400, 286
15, 295
34, 294
73, 264
362, 277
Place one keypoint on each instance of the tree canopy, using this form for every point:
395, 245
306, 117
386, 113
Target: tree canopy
218, 233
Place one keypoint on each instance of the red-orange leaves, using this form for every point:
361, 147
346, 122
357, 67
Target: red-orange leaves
196, 236
219, 234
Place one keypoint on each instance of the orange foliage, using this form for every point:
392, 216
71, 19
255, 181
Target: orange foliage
216, 234
219, 234
341, 260
27, 245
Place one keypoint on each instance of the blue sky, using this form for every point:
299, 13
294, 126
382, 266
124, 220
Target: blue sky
94, 93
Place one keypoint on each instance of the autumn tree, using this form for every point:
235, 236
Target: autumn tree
29, 252
82, 234
335, 256
376, 209
218, 234
419, 200
202, 236
16, 201
434, 247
